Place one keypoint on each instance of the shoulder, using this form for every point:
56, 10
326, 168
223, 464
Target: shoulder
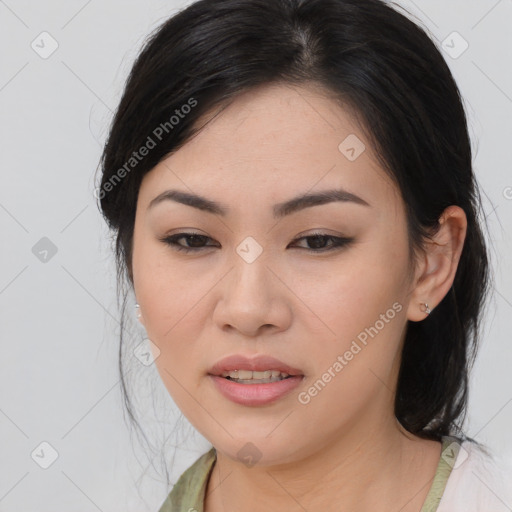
480, 480
189, 490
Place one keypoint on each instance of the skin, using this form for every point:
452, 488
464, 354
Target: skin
344, 450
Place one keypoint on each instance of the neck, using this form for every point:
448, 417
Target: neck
384, 468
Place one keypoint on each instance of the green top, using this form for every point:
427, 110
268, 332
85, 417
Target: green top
189, 491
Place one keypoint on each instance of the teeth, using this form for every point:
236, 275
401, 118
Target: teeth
257, 377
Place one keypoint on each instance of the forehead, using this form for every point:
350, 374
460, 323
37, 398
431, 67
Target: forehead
274, 142
276, 122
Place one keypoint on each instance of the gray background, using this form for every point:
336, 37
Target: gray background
58, 366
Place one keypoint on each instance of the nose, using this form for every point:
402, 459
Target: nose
254, 300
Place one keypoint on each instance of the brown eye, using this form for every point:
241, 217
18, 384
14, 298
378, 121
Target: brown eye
196, 241
318, 242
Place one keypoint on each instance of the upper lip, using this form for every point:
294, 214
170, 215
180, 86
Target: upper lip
256, 364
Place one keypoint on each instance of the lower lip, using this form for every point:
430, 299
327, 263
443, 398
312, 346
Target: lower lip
256, 394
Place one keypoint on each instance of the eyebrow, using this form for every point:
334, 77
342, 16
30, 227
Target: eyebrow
279, 210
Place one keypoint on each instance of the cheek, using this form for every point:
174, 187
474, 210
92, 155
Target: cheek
164, 309
350, 293
163, 292
171, 299
362, 312
172, 324
357, 366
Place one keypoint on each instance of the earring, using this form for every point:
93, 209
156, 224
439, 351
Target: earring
424, 307
137, 311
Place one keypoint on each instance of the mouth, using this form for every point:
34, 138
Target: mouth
246, 370
260, 380
256, 392
250, 377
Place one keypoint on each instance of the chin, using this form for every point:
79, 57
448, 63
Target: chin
259, 450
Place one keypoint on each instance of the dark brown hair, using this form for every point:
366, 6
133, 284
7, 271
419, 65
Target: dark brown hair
387, 69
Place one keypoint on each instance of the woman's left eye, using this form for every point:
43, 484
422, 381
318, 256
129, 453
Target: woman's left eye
319, 242
319, 239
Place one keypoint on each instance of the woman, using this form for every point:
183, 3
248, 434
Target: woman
290, 184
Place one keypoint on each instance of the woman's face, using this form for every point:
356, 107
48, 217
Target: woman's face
256, 285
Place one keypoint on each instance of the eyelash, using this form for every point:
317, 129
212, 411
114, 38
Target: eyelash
338, 242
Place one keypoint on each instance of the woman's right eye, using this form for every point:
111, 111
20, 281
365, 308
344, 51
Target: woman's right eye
195, 239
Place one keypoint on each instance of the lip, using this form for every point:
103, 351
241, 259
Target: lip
259, 363
255, 394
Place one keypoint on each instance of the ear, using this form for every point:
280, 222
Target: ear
438, 264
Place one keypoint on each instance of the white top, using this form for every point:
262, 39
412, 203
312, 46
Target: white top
479, 481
